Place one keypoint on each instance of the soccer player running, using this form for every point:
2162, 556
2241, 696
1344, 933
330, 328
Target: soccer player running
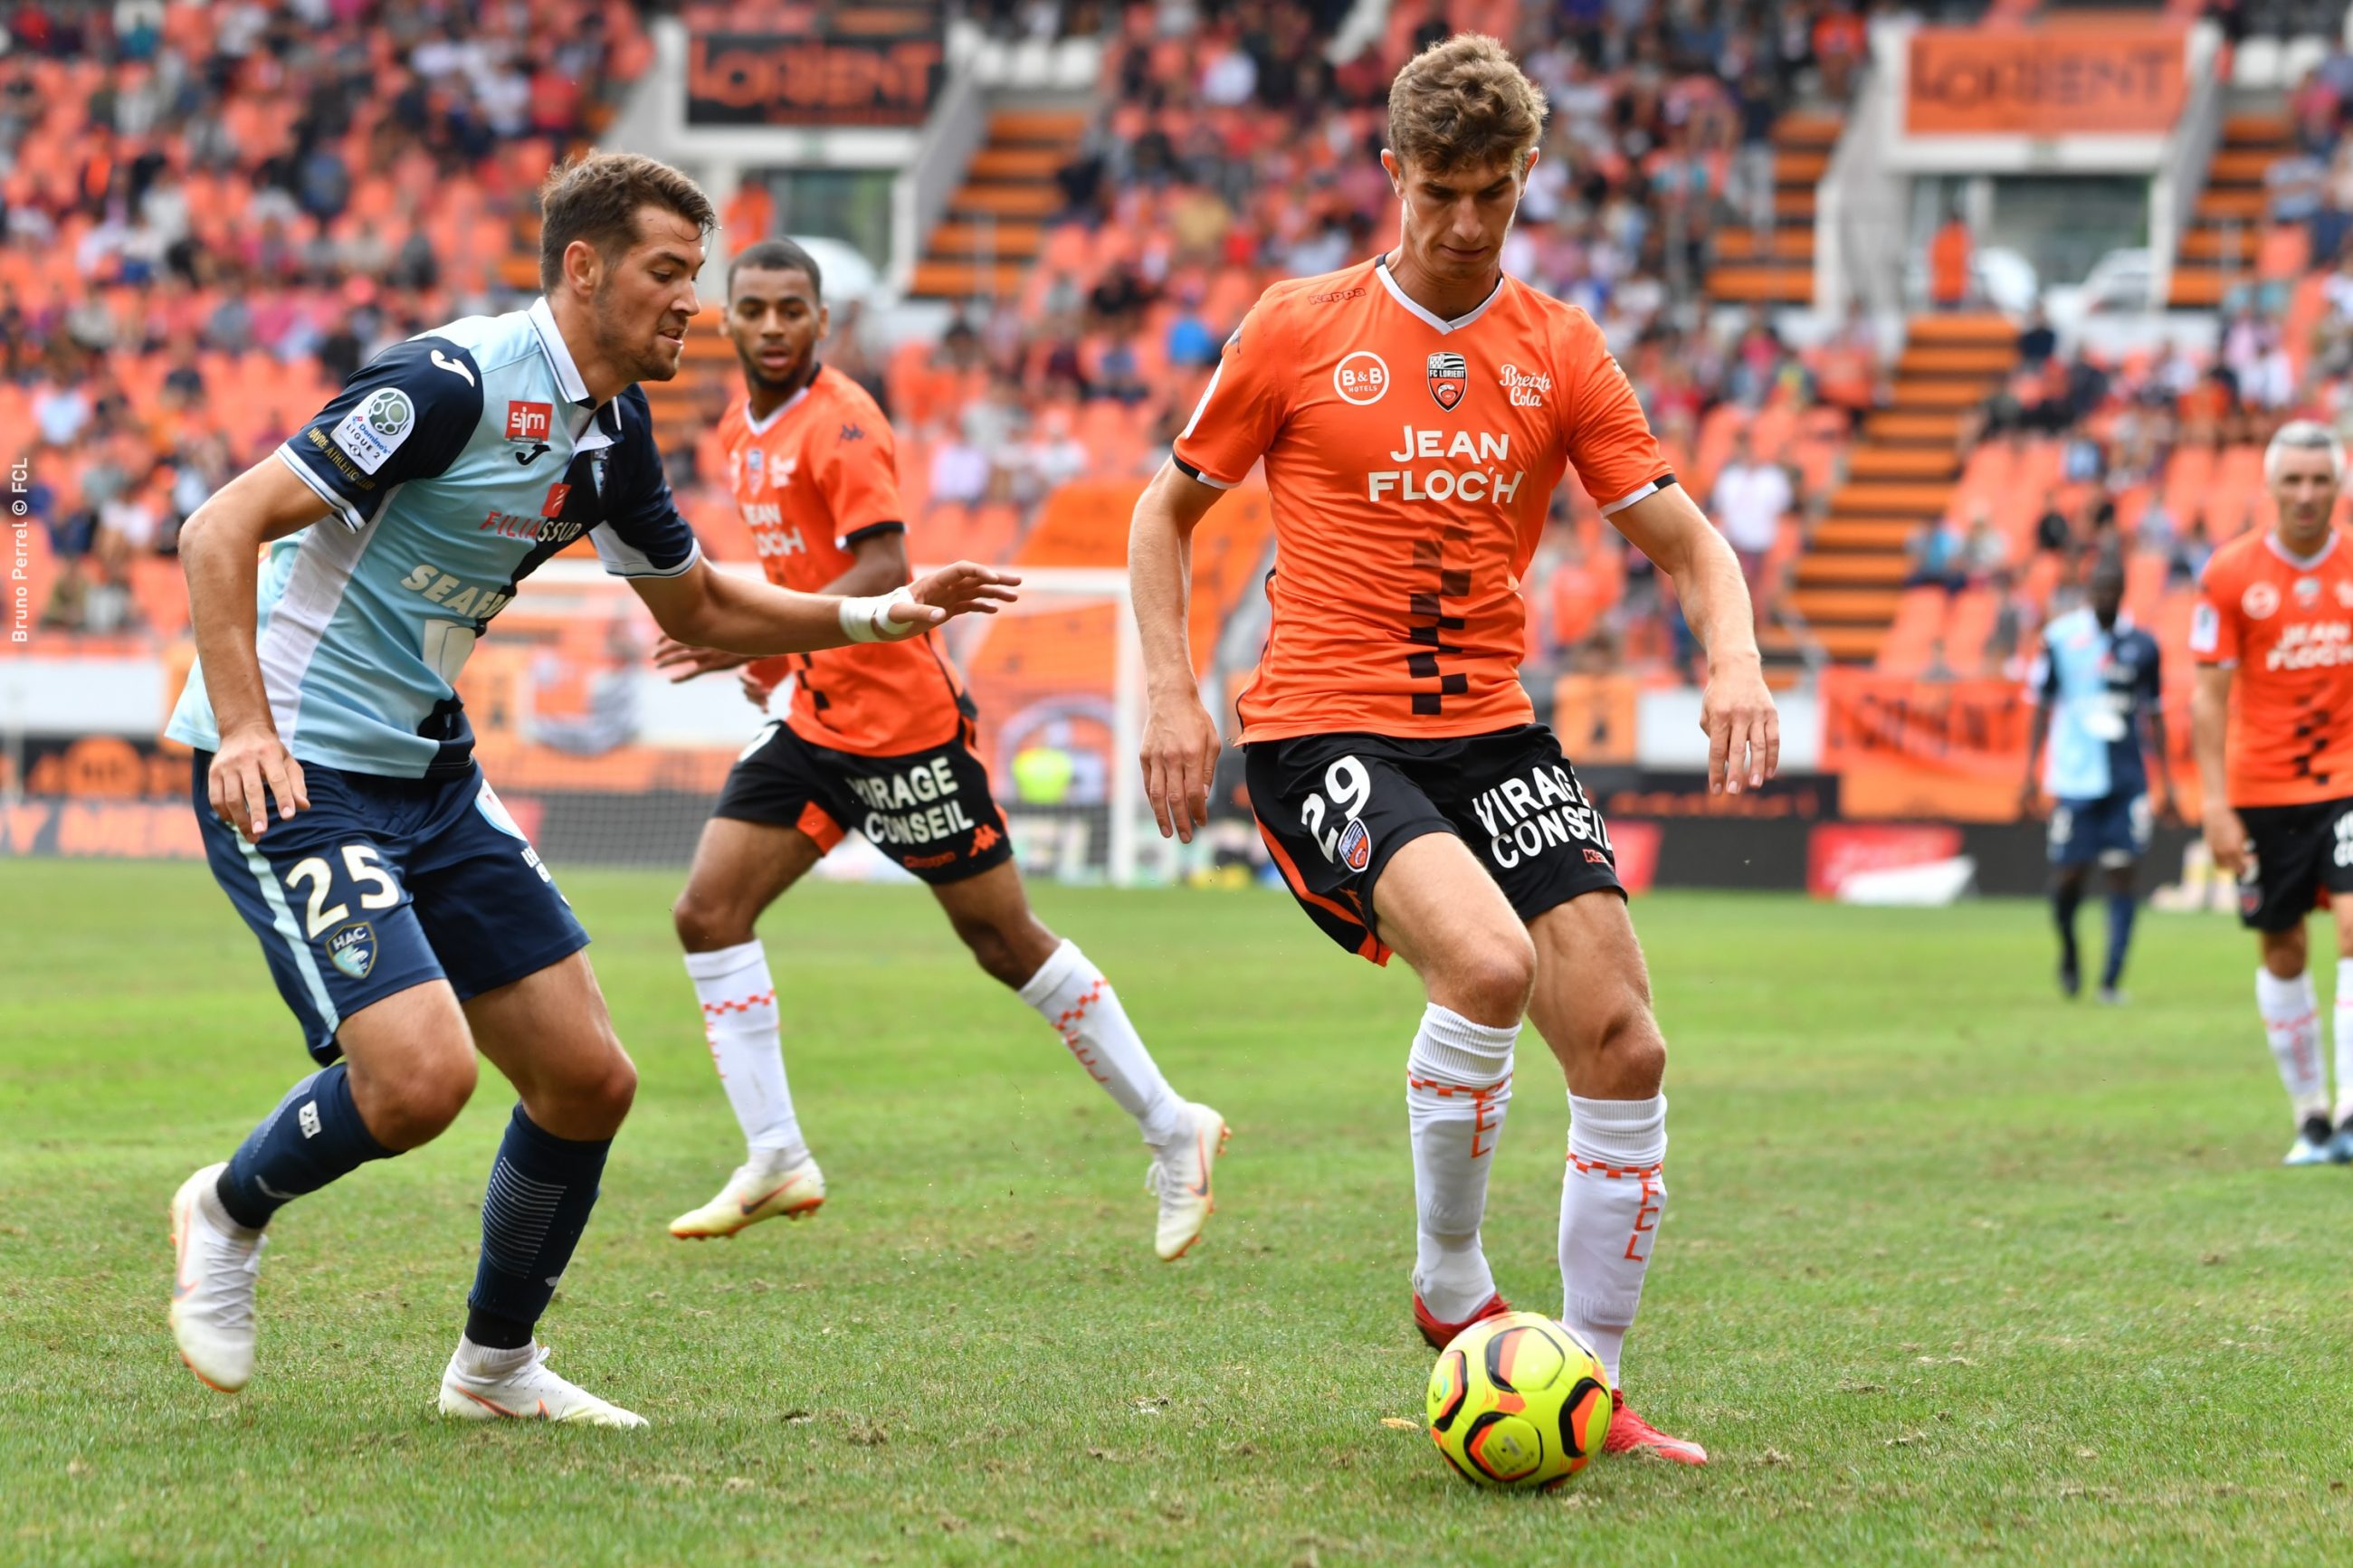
405, 918
2097, 675
2271, 721
877, 738
1414, 413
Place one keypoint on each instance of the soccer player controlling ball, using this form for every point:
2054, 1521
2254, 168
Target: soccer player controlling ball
406, 920
2272, 720
1414, 413
877, 738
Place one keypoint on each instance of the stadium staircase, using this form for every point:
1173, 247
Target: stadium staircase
2218, 250
997, 221
1776, 266
1848, 579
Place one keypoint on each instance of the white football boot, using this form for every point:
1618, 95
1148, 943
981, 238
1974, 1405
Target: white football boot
2312, 1143
1179, 1176
216, 1262
515, 1385
760, 1189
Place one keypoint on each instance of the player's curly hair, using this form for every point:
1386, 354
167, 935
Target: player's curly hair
1464, 104
597, 196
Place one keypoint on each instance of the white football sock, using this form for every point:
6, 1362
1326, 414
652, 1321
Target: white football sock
1458, 1083
739, 1019
1070, 994
484, 1361
2290, 1012
2344, 1039
1610, 1201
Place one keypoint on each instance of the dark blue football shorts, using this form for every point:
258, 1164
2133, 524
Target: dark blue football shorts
2111, 830
386, 883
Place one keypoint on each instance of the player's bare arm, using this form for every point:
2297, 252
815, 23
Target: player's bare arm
1180, 739
2210, 724
882, 567
1743, 729
2169, 808
2030, 791
709, 608
220, 547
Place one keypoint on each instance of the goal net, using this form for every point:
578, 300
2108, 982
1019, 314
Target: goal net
603, 761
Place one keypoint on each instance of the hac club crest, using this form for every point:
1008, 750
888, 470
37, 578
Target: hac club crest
1449, 377
352, 949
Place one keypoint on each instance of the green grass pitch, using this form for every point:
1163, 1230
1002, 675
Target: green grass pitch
1951, 1270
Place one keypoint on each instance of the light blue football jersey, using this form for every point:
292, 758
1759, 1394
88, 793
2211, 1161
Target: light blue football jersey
452, 465
2099, 682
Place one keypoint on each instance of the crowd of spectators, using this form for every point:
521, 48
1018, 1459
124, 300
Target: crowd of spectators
211, 214
1228, 151
2155, 455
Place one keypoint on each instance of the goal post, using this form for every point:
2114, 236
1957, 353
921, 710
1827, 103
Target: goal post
605, 761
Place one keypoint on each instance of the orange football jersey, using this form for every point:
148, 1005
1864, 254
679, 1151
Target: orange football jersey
2287, 626
811, 480
1409, 464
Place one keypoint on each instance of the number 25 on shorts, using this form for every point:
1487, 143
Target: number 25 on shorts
312, 877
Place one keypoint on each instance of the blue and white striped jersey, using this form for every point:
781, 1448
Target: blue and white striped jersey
452, 465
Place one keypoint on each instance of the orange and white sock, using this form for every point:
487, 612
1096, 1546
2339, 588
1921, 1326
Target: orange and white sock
739, 1020
1610, 1200
2291, 1014
1457, 1084
2344, 1041
1070, 994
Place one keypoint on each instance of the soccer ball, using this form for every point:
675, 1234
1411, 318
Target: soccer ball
1518, 1401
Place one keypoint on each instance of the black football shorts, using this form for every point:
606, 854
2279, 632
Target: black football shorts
2293, 852
1334, 808
930, 811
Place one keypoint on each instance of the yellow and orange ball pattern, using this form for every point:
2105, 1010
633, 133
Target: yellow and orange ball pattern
1518, 1401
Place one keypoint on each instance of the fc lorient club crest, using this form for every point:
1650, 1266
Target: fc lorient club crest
1448, 378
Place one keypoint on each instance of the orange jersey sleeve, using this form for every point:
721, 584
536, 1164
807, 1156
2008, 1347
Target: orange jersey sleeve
856, 463
2286, 625
2214, 621
1609, 443
1244, 405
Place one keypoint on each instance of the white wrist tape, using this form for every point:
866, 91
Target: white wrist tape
869, 619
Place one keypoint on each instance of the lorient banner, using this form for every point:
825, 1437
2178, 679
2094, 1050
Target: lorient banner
2113, 78
1950, 750
1953, 750
843, 78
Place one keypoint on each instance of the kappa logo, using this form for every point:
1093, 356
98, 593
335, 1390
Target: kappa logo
1361, 378
1449, 378
352, 949
1356, 845
852, 432
2260, 602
